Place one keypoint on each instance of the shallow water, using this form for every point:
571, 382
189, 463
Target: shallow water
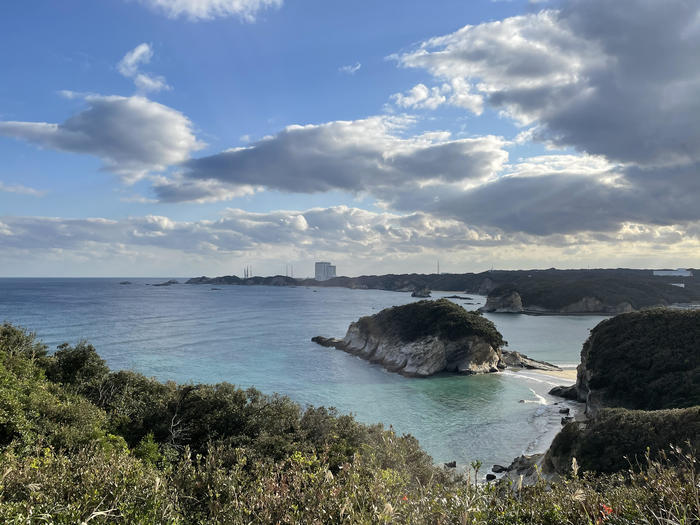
260, 336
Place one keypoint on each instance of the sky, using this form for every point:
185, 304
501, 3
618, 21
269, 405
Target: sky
197, 137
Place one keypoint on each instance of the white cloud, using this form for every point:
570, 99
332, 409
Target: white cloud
131, 135
420, 96
350, 69
129, 66
456, 93
20, 189
209, 9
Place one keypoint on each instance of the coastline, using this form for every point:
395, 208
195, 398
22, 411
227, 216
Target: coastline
548, 413
568, 375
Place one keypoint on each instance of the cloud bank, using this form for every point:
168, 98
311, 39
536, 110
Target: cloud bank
357, 239
368, 155
133, 136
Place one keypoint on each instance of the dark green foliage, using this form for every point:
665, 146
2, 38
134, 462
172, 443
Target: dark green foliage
646, 360
618, 438
441, 318
77, 365
17, 341
136, 405
33, 410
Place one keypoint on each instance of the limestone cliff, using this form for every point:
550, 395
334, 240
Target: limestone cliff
507, 301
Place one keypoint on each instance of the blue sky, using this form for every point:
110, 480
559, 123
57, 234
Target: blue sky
183, 137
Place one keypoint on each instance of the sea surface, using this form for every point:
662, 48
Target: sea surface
261, 336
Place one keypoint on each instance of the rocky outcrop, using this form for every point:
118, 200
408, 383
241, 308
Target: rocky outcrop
641, 360
425, 356
517, 360
593, 305
505, 302
421, 292
618, 437
167, 283
424, 338
510, 301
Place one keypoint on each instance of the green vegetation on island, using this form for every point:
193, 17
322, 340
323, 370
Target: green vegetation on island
82, 444
441, 318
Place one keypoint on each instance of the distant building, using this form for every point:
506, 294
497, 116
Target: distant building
324, 271
680, 272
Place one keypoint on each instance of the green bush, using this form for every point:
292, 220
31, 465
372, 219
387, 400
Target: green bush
618, 438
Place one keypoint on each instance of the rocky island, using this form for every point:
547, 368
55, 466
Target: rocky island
423, 338
426, 337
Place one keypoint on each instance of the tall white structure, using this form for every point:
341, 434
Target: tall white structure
324, 271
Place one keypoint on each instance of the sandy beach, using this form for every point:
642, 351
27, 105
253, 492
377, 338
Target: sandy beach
568, 374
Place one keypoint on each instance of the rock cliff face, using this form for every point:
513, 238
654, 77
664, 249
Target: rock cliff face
425, 356
424, 338
510, 301
588, 305
505, 302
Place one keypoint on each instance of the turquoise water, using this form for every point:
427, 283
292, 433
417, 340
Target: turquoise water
260, 336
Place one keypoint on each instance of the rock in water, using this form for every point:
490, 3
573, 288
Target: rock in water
518, 360
506, 301
423, 338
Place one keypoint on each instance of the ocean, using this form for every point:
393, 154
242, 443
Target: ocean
261, 336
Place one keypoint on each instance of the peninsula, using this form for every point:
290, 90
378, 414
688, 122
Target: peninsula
539, 292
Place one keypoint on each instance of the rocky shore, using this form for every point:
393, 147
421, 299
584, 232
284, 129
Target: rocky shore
510, 301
